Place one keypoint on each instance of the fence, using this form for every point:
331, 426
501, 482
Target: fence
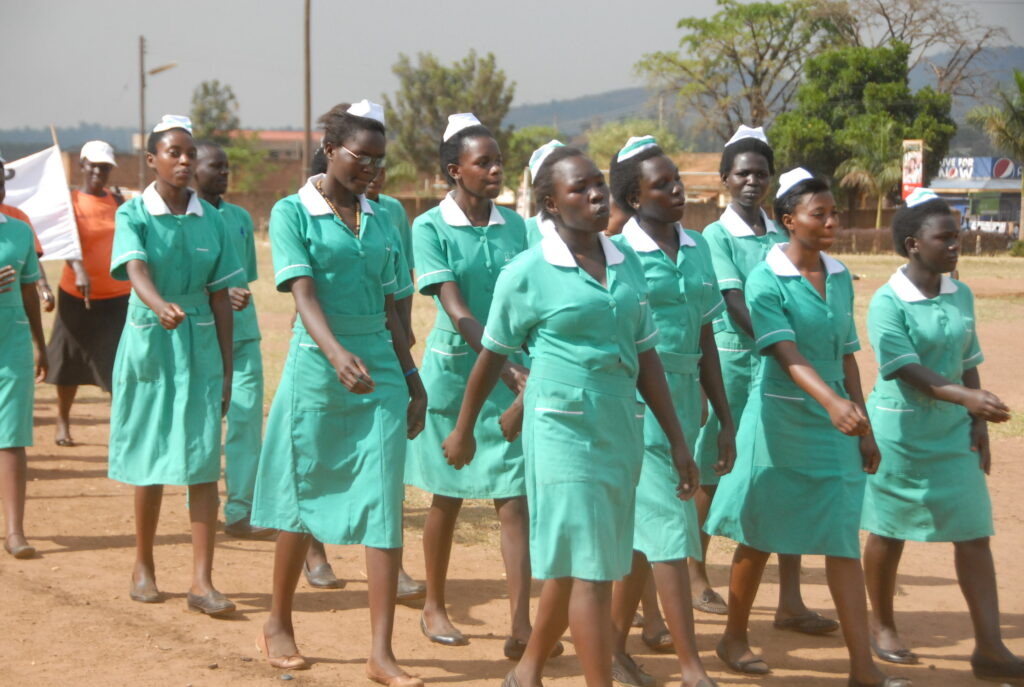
880, 241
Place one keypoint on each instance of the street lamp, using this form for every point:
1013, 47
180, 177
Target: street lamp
142, 105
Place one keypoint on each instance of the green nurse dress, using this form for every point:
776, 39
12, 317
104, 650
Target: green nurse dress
536, 229
929, 486
797, 486
683, 296
332, 460
735, 251
449, 248
400, 221
17, 363
165, 421
245, 415
582, 425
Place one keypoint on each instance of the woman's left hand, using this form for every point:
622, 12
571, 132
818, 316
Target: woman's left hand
459, 448
239, 297
46, 296
726, 450
511, 421
689, 473
8, 275
869, 455
979, 443
416, 413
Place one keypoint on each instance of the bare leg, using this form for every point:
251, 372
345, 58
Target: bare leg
549, 625
673, 584
515, 551
65, 399
846, 583
382, 573
791, 603
626, 595
202, 499
654, 623
147, 515
316, 555
437, 550
744, 579
13, 471
590, 608
881, 563
698, 570
976, 574
289, 553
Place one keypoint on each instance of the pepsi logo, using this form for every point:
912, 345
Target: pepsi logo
1003, 168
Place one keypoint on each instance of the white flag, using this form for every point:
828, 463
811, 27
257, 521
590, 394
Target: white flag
36, 185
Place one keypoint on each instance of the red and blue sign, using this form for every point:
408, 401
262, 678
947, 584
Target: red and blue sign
979, 168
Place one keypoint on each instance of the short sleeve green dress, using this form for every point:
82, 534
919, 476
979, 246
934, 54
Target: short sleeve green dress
165, 416
930, 485
332, 460
582, 425
797, 486
683, 296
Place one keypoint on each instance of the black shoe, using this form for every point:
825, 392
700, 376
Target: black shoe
903, 657
243, 529
213, 604
457, 639
990, 671
409, 589
514, 649
322, 577
626, 671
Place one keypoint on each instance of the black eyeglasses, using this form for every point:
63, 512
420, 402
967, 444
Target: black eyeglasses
366, 160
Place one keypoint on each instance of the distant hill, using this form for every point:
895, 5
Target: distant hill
571, 116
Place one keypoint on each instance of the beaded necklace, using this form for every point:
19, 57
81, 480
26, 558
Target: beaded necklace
320, 188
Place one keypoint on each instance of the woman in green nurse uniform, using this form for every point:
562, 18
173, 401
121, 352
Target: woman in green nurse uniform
930, 417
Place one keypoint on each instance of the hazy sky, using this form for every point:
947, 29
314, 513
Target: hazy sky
67, 61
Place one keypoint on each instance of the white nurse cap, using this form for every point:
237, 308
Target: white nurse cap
541, 154
634, 146
365, 108
458, 122
791, 178
920, 195
98, 152
747, 132
170, 121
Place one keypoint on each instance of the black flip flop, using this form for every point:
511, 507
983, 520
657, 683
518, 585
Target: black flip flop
746, 667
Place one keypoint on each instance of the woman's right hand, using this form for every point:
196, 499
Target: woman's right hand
171, 315
459, 448
514, 376
986, 405
352, 373
83, 285
511, 421
8, 275
848, 417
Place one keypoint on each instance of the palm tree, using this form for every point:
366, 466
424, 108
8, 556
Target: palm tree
875, 166
1004, 124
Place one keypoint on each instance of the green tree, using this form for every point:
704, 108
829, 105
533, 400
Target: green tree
521, 144
1004, 124
876, 155
429, 91
214, 112
607, 140
841, 87
249, 166
742, 65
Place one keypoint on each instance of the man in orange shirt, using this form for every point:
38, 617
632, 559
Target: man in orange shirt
45, 294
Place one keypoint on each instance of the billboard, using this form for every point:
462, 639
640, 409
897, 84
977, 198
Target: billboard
913, 165
979, 168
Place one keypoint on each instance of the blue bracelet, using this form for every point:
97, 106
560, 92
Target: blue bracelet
412, 371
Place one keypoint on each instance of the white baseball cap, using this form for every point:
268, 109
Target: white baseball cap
99, 152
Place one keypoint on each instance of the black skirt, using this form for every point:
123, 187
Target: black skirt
84, 342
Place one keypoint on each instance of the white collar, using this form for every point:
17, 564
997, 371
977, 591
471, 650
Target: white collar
784, 267
639, 240
453, 215
559, 255
314, 201
731, 220
3, 218
905, 289
545, 225
155, 204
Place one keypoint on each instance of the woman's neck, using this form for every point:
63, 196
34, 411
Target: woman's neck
476, 208
661, 232
211, 198
805, 259
99, 193
176, 197
751, 215
927, 281
578, 242
337, 193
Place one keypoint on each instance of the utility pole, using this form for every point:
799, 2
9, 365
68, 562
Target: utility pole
308, 116
142, 112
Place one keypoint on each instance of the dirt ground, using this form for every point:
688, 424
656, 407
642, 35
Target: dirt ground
66, 617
